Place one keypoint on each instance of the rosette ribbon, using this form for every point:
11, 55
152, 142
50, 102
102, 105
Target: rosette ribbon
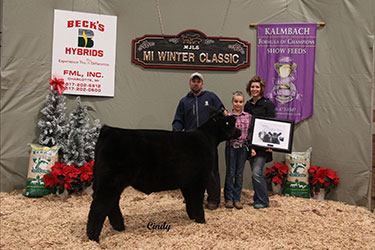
58, 83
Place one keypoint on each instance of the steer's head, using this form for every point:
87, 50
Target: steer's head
224, 127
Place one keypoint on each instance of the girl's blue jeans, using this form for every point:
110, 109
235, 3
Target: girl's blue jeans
235, 159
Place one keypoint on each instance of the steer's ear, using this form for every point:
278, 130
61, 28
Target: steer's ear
215, 113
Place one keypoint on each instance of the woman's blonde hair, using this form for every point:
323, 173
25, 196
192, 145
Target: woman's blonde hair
261, 82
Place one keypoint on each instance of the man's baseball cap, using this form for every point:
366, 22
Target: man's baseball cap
196, 74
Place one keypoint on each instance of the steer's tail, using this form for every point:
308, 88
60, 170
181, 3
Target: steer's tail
103, 131
99, 144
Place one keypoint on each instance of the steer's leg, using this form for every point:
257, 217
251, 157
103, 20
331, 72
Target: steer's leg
198, 196
115, 216
96, 219
186, 192
105, 203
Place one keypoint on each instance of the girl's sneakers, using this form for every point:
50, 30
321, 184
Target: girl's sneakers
259, 206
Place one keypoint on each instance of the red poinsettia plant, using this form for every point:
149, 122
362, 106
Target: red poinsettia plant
322, 178
70, 178
277, 173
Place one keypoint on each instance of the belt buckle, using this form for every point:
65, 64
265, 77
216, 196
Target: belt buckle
236, 144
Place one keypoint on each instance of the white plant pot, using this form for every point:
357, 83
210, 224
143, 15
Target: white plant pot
63, 195
88, 190
320, 195
276, 188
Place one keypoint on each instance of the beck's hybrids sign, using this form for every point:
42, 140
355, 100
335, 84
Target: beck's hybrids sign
84, 52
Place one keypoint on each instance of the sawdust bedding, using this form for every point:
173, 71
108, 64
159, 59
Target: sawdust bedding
159, 221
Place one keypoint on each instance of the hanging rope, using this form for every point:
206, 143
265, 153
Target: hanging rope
97, 2
225, 18
160, 21
99, 8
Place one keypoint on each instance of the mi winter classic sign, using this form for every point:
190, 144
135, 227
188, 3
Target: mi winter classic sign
84, 52
191, 49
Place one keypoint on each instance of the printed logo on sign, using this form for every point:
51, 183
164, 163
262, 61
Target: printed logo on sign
85, 38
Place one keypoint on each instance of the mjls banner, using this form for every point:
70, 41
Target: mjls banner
286, 58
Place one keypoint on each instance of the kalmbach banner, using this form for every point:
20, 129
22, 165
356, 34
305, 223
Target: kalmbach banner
84, 52
285, 60
191, 49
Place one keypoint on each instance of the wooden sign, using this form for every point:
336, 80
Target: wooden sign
191, 49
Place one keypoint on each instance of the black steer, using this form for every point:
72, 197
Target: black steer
153, 161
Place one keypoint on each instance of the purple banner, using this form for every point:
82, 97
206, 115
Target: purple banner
286, 60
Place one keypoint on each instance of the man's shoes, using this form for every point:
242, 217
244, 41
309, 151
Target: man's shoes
259, 206
252, 204
212, 206
228, 204
238, 205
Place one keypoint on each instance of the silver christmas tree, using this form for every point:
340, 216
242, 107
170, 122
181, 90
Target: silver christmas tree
53, 121
79, 146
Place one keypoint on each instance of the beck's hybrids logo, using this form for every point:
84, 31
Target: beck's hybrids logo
85, 38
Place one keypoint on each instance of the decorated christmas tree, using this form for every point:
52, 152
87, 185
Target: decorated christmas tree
53, 121
74, 151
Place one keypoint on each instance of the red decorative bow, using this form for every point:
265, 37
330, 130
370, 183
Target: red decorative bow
58, 84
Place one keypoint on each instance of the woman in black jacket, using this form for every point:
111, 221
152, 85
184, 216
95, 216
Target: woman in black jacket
261, 106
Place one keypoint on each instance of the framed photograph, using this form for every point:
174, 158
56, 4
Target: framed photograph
272, 133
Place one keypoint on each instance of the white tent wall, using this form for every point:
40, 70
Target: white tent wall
339, 131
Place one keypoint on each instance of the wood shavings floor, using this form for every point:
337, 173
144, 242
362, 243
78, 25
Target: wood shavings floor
289, 223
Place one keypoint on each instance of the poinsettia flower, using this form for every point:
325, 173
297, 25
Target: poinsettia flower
56, 172
313, 169
322, 172
323, 178
66, 183
71, 171
283, 169
277, 180
278, 170
331, 174
86, 172
50, 180
268, 172
277, 165
58, 167
315, 179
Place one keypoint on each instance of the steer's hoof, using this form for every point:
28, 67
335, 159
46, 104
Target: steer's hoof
200, 221
119, 228
93, 238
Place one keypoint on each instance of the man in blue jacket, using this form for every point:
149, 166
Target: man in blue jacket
193, 110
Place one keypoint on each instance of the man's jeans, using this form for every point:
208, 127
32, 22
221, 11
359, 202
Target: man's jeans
235, 159
259, 183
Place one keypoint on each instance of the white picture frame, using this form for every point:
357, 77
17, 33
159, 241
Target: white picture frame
272, 133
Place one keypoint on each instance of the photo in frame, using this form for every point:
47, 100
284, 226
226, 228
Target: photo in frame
272, 133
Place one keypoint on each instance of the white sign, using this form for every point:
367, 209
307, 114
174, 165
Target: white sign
84, 52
